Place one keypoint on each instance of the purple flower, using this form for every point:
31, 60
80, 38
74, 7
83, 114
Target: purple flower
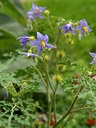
67, 28
6, 95
35, 12
42, 42
83, 27
24, 40
29, 54
94, 57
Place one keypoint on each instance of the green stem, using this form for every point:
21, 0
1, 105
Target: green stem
11, 116
55, 107
83, 108
48, 77
48, 20
55, 102
36, 25
48, 94
49, 106
75, 110
56, 38
39, 73
70, 117
69, 109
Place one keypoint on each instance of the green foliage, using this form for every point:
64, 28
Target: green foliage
62, 84
18, 113
17, 110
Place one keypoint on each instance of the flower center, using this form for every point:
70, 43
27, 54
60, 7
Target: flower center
42, 43
85, 29
36, 11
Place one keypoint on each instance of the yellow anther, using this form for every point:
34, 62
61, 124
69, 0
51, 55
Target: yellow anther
42, 43
32, 38
85, 29
36, 11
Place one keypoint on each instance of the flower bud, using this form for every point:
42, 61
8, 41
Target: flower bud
47, 12
46, 58
57, 78
70, 41
68, 35
76, 23
70, 22
32, 38
60, 54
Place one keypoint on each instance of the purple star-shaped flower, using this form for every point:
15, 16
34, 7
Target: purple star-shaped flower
24, 40
67, 28
35, 12
94, 57
83, 27
29, 54
42, 42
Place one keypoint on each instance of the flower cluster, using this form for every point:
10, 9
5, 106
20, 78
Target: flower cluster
42, 40
41, 43
82, 27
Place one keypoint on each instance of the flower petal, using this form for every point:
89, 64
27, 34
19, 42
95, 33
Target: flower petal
40, 49
50, 46
34, 43
46, 38
92, 54
34, 6
39, 36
